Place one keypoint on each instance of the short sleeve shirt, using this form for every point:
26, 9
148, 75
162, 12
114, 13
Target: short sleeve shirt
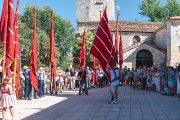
113, 76
171, 75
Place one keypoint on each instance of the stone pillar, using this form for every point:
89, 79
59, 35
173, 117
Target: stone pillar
173, 42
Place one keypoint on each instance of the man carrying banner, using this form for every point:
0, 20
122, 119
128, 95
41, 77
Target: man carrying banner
115, 80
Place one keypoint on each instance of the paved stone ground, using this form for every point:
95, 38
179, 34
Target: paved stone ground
132, 105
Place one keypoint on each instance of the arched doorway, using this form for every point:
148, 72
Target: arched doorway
144, 58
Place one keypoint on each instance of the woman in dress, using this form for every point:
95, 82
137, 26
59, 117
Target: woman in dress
8, 98
153, 80
157, 80
66, 79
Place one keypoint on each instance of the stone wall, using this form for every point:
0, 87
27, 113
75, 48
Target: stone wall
82, 10
130, 56
86, 10
127, 38
173, 43
161, 38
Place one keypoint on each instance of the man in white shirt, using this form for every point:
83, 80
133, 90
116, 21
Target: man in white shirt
115, 80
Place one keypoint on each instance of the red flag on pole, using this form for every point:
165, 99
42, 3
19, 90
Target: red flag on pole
4, 20
116, 38
102, 47
82, 56
3, 34
10, 39
16, 52
33, 63
94, 71
52, 53
120, 49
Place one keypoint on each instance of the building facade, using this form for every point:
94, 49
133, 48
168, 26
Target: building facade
144, 43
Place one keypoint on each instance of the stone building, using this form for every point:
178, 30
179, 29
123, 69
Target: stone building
144, 43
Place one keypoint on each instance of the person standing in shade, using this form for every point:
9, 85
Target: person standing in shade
46, 82
73, 78
40, 81
66, 78
83, 83
89, 77
171, 75
144, 77
100, 77
28, 85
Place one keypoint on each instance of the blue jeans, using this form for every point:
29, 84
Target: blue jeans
58, 85
28, 88
41, 88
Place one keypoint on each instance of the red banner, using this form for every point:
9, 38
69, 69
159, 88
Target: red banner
16, 52
33, 64
52, 53
94, 71
82, 56
116, 38
4, 21
10, 39
120, 49
103, 48
3, 34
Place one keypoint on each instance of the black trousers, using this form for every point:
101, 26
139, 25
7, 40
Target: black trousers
83, 87
144, 83
100, 80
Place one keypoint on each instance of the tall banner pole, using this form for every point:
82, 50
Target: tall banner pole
3, 62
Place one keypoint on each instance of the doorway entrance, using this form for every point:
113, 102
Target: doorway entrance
144, 58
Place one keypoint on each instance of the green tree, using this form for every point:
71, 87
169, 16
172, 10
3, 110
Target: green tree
173, 8
158, 12
77, 47
64, 37
153, 9
25, 43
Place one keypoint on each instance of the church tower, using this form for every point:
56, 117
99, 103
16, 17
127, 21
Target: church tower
87, 10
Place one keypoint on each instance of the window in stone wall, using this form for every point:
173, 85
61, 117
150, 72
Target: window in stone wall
136, 39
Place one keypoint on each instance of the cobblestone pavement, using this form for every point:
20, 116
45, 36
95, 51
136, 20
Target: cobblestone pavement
132, 105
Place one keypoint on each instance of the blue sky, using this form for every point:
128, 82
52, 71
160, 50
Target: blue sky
67, 8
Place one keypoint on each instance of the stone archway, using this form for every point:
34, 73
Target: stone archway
144, 58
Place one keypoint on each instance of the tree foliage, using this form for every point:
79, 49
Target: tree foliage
64, 37
173, 7
77, 47
157, 12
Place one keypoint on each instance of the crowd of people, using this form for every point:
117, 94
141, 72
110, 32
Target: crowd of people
157, 79
162, 80
68, 79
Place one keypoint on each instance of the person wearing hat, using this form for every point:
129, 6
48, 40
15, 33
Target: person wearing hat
115, 80
28, 86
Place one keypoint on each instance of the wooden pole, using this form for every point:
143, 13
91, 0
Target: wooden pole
3, 64
32, 92
15, 63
